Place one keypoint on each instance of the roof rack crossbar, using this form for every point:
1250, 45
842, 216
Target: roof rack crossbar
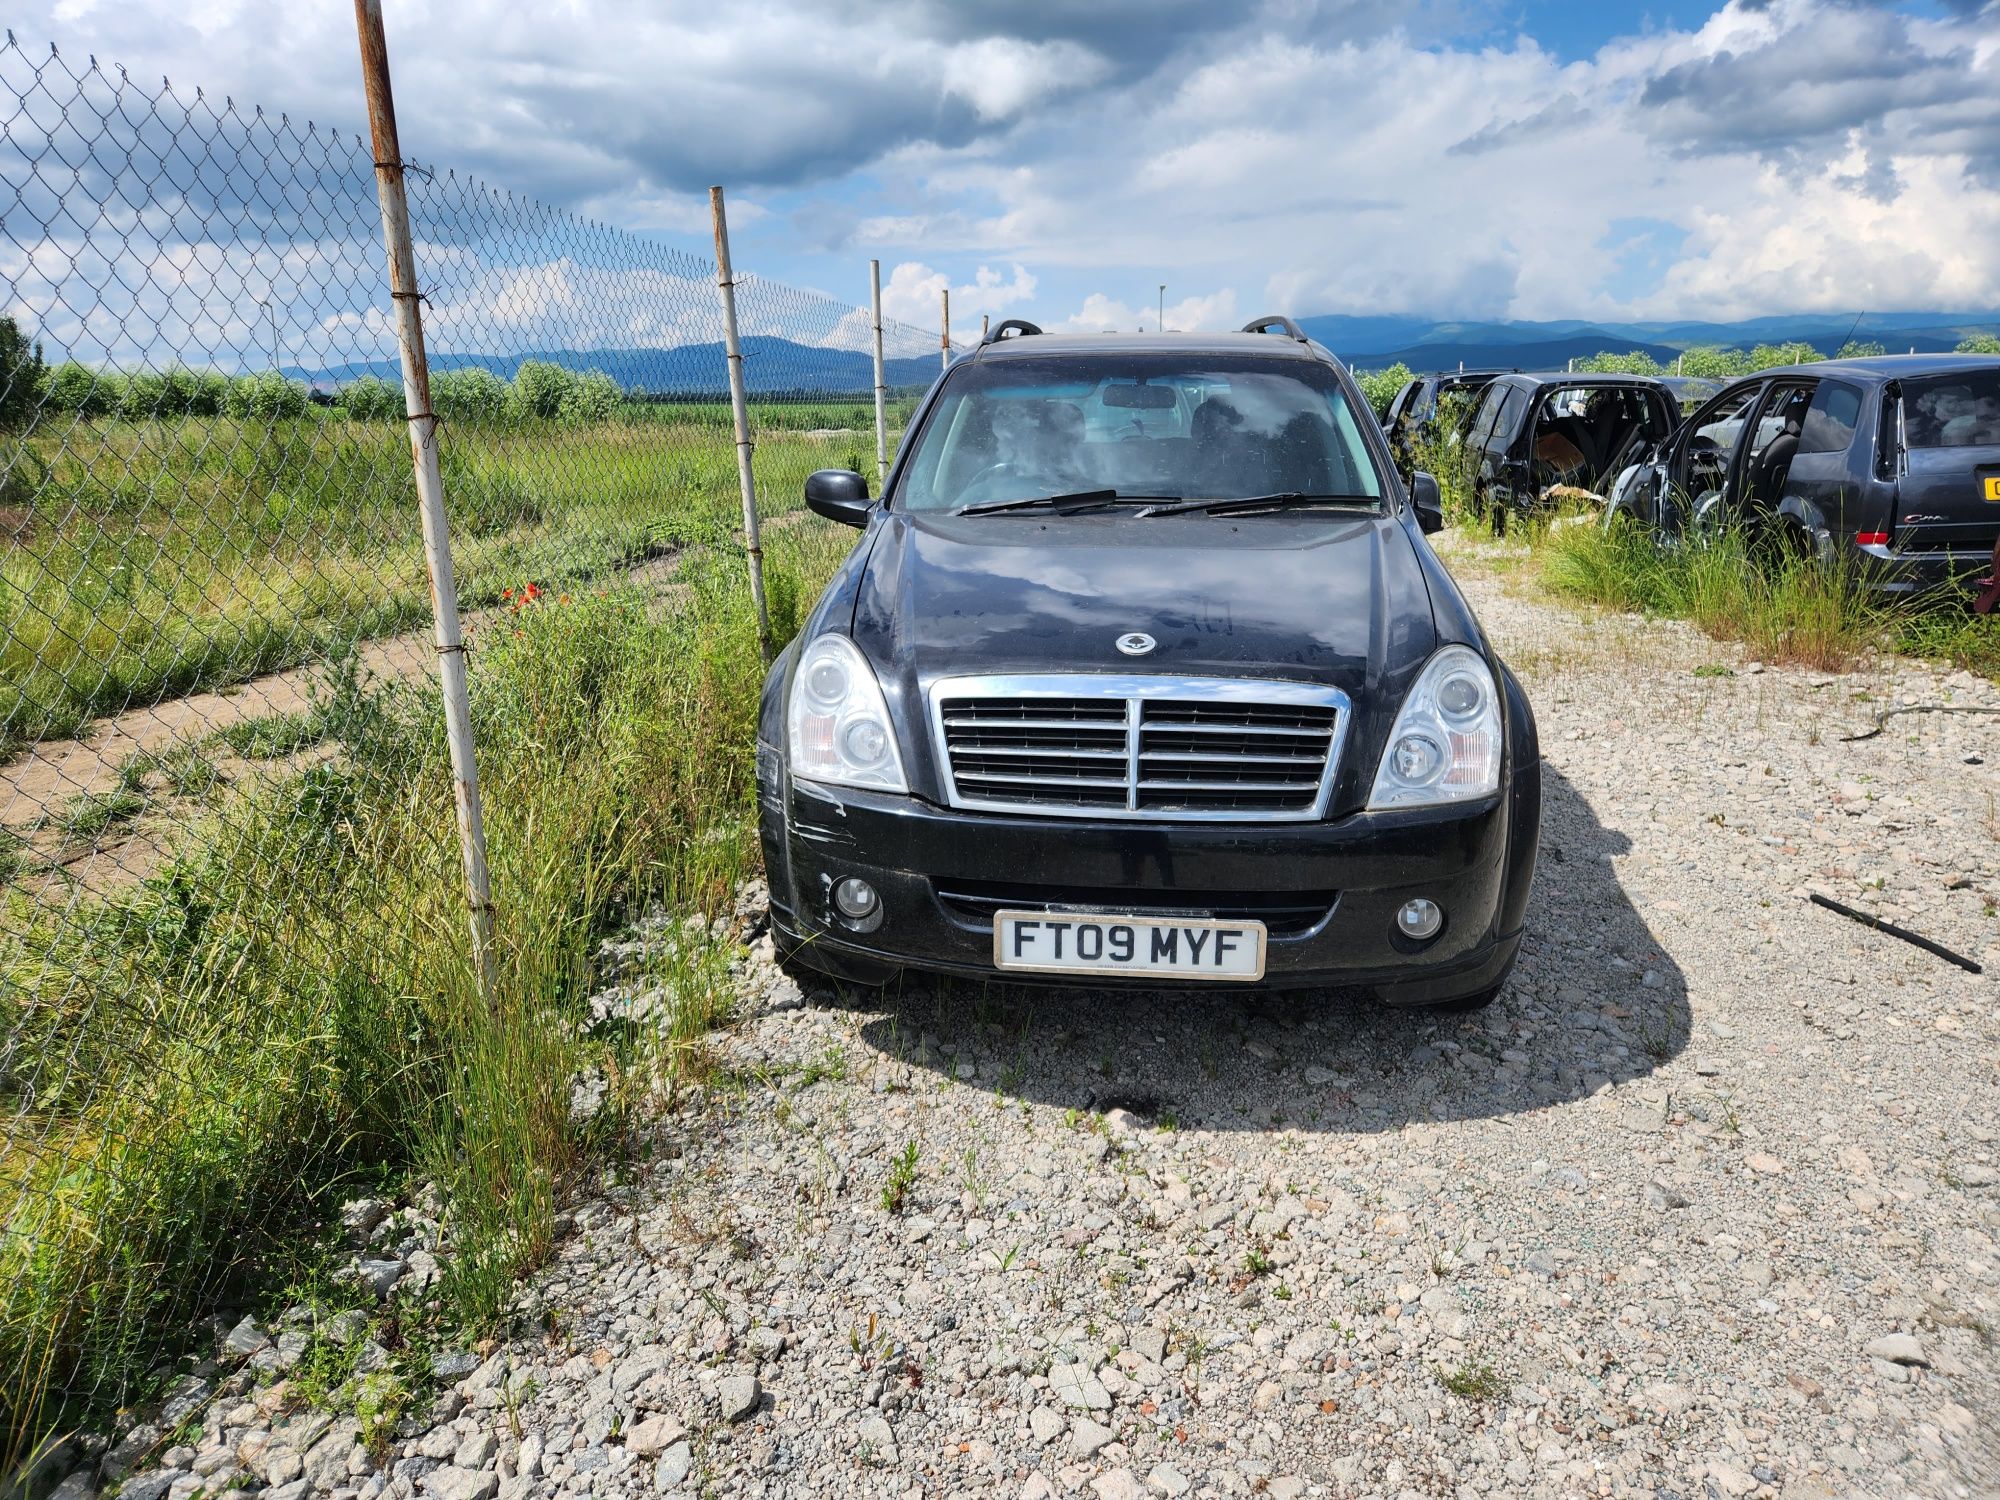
1020, 327
1279, 321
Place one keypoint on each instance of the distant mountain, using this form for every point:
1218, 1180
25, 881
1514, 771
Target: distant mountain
1428, 344
770, 366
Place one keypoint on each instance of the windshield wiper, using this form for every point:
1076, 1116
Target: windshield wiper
1077, 498
1282, 500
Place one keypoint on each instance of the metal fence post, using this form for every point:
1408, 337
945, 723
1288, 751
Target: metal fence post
725, 281
944, 333
881, 385
446, 634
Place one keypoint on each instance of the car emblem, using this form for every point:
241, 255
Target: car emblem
1136, 643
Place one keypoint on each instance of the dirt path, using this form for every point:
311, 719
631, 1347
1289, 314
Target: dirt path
42, 787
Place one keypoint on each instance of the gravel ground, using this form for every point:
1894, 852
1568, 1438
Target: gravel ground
1708, 1204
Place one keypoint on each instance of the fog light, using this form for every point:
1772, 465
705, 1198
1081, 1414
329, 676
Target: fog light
855, 898
1419, 919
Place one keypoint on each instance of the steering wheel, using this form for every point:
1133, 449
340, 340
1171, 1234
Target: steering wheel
1004, 469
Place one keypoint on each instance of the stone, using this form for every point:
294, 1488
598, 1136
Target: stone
1078, 1388
151, 1486
245, 1339
672, 1470
1046, 1424
453, 1364
477, 1451
878, 1439
360, 1216
77, 1487
1898, 1349
184, 1398
1087, 1436
1117, 1484
1167, 1481
1763, 1162
738, 1395
380, 1276
653, 1435
452, 1483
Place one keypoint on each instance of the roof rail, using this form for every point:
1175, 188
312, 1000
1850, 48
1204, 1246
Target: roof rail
1280, 322
1020, 327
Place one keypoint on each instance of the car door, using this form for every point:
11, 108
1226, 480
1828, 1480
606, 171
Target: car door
1496, 434
1699, 482
1829, 487
1948, 496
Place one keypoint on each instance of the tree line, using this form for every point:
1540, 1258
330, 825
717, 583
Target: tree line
539, 391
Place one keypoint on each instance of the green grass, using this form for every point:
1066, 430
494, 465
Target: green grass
89, 814
1780, 605
275, 735
201, 1066
1473, 1382
156, 559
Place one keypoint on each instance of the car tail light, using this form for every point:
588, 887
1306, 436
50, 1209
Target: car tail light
1872, 538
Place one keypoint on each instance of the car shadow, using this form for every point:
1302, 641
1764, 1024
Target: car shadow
1595, 1000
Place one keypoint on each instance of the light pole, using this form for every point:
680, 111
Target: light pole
1163, 308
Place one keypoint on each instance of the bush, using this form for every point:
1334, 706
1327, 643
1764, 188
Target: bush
592, 397
1979, 343
77, 388
1380, 386
538, 390
371, 399
267, 395
472, 394
1637, 362
21, 373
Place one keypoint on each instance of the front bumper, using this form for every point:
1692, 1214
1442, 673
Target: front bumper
1339, 883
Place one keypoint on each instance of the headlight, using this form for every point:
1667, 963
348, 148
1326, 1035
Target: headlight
838, 724
1447, 741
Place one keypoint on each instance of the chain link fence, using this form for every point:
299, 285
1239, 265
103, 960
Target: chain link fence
233, 978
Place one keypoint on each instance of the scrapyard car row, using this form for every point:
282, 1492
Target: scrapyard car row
1891, 462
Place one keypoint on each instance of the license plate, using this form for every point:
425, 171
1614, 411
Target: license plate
1059, 942
1992, 483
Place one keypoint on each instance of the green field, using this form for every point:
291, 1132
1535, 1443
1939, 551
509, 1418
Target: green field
203, 1065
148, 559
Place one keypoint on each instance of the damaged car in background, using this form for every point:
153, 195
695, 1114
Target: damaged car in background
1439, 402
1537, 440
1142, 672
1890, 461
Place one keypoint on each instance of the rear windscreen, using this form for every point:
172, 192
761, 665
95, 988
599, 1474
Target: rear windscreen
1953, 411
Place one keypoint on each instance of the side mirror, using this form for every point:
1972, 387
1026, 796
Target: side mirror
1427, 501
839, 495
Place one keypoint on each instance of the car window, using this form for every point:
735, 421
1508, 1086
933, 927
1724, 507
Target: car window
1718, 424
1507, 418
1953, 411
1830, 418
1488, 412
1178, 426
1783, 412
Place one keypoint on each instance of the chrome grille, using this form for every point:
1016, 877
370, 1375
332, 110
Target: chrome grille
1154, 747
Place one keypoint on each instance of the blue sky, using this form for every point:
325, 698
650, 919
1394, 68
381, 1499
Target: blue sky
1060, 160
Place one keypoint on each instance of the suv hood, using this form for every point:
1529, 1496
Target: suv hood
1313, 598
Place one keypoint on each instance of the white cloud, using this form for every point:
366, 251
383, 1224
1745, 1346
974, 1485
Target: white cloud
1318, 157
1100, 313
913, 294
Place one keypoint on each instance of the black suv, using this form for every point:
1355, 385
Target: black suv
1142, 671
1893, 461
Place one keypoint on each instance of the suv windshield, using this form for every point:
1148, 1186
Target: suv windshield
1173, 427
